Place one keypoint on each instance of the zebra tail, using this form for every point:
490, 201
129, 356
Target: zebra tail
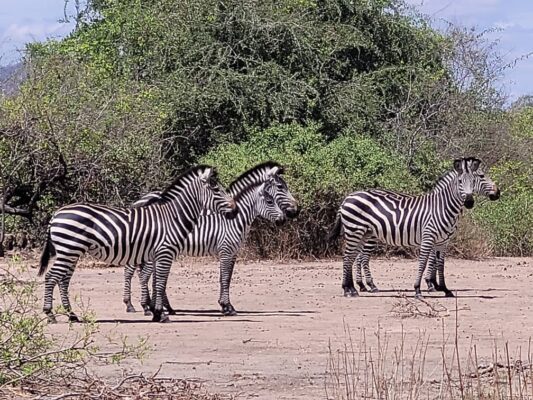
336, 230
48, 251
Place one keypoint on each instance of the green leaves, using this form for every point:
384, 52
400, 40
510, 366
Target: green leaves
316, 167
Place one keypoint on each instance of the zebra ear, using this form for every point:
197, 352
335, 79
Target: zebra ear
475, 165
204, 176
273, 171
458, 165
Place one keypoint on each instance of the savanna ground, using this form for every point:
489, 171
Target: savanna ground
293, 322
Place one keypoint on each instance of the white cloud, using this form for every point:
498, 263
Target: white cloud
32, 31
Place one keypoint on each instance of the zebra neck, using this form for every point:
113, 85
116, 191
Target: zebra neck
183, 206
247, 208
449, 199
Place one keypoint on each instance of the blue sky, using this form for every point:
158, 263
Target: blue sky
22, 21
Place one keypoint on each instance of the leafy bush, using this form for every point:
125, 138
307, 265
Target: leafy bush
319, 173
509, 221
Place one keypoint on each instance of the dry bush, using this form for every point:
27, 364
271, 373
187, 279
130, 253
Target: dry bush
471, 241
35, 364
407, 307
357, 370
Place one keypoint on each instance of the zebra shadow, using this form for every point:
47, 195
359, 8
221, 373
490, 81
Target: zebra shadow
262, 313
173, 320
433, 295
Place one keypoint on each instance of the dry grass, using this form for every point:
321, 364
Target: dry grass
470, 242
131, 387
410, 307
358, 370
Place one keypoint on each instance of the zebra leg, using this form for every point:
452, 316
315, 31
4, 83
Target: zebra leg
227, 262
358, 275
440, 269
145, 272
56, 274
354, 244
162, 265
431, 274
425, 251
129, 271
167, 306
63, 291
365, 264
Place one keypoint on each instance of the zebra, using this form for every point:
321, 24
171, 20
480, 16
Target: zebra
118, 236
427, 221
260, 191
435, 262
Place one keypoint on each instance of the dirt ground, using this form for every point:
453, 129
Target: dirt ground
277, 347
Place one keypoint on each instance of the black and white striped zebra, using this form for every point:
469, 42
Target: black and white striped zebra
259, 192
154, 232
427, 221
362, 262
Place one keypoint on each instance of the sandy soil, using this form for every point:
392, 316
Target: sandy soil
277, 347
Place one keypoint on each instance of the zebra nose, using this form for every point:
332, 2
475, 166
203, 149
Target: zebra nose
469, 201
495, 195
292, 212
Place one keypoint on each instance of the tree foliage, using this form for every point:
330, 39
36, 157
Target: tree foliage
349, 94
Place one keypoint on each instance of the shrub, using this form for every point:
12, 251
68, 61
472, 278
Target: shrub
319, 173
509, 221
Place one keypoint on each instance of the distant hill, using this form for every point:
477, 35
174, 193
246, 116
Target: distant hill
11, 76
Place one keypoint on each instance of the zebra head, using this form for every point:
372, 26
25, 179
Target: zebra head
485, 186
267, 207
280, 191
471, 179
270, 172
213, 196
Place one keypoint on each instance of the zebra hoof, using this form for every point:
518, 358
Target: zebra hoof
351, 293
51, 319
448, 293
156, 317
148, 313
171, 312
433, 286
374, 289
362, 287
130, 309
229, 311
419, 296
73, 318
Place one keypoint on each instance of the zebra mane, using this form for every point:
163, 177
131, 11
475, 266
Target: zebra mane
179, 182
247, 189
253, 177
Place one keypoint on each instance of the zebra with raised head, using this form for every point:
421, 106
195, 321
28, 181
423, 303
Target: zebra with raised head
427, 221
155, 232
485, 187
259, 192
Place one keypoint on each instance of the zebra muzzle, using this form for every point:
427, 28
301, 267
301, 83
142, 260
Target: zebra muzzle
292, 212
469, 201
495, 195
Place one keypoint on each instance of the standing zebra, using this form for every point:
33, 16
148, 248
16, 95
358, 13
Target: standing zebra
363, 258
155, 232
260, 191
427, 221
